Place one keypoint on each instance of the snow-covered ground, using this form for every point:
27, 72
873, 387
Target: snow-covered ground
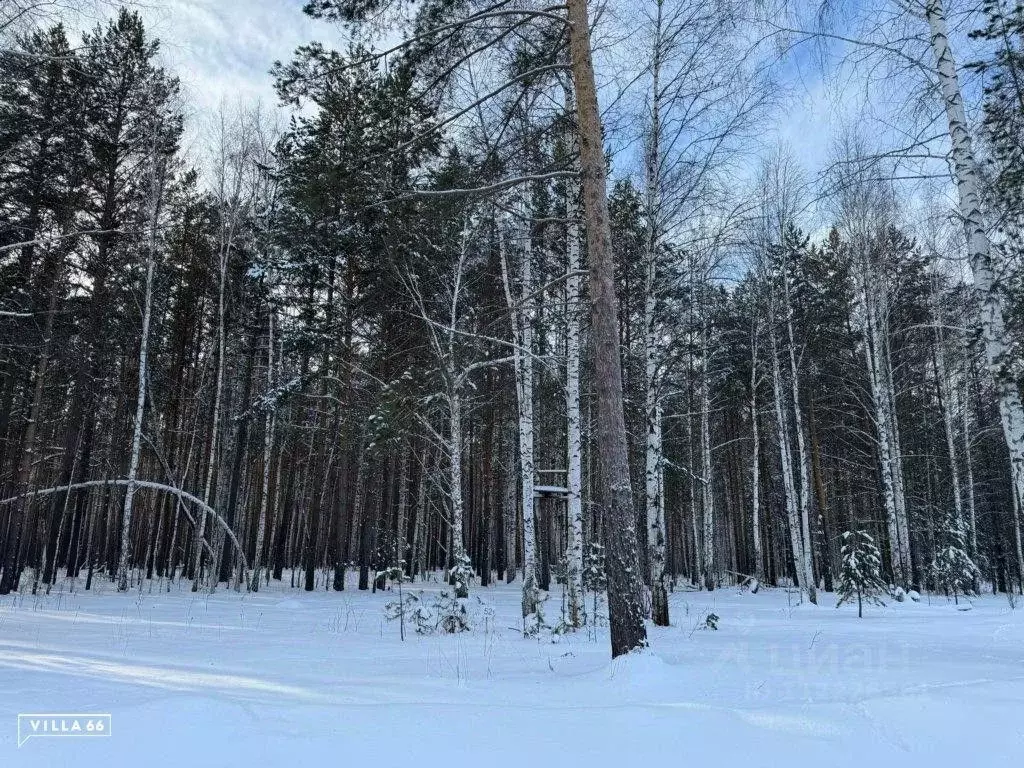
292, 678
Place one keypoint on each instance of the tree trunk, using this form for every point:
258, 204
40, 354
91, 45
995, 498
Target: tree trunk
268, 451
997, 354
140, 402
755, 477
708, 567
654, 453
522, 323
574, 437
876, 362
786, 459
807, 560
625, 611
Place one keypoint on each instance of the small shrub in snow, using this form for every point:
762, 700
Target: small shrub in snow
460, 575
860, 576
953, 571
595, 578
444, 614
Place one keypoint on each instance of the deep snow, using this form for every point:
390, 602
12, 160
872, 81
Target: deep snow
287, 677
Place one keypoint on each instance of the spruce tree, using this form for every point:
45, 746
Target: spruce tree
860, 575
953, 570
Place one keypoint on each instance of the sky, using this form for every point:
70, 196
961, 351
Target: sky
222, 51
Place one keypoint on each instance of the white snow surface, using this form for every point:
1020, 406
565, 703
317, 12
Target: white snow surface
285, 677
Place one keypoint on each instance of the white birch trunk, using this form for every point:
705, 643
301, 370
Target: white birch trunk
979, 249
902, 520
573, 297
786, 460
653, 455
798, 426
531, 593
459, 558
944, 389
140, 401
211, 459
755, 475
881, 404
965, 411
522, 316
708, 565
1017, 544
268, 447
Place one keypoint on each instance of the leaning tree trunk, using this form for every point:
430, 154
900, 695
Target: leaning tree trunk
625, 611
798, 426
786, 460
997, 353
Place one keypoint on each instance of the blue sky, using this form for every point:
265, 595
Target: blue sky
222, 50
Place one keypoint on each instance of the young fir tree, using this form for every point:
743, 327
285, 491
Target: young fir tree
953, 570
860, 575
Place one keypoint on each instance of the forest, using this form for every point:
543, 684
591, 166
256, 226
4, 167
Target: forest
492, 294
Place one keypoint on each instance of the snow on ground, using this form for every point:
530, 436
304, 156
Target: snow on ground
288, 677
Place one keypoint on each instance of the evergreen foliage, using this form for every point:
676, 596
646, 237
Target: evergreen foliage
860, 575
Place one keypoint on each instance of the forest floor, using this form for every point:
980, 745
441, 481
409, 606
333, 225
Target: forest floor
286, 677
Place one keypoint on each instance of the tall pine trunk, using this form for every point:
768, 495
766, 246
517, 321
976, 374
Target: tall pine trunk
625, 610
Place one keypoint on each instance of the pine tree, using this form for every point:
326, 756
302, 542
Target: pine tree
860, 576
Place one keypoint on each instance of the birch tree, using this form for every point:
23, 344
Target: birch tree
522, 311
979, 249
865, 215
157, 173
574, 431
233, 168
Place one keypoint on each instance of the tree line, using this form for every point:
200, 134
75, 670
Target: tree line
429, 323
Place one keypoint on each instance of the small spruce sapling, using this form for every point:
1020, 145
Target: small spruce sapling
461, 573
953, 571
594, 577
860, 576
